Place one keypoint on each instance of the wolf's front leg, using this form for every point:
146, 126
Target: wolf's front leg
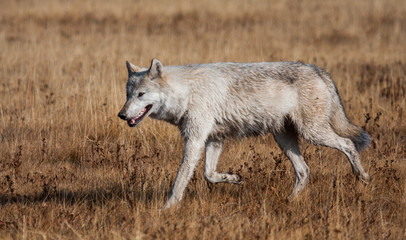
213, 151
191, 156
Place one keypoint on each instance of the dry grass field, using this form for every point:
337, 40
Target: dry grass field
71, 169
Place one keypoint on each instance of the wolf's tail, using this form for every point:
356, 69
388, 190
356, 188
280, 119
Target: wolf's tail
343, 126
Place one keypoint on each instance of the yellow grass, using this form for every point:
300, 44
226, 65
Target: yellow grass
71, 169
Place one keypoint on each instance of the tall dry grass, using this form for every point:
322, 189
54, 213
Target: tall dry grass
70, 169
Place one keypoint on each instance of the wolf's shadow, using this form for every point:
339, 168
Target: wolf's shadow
97, 196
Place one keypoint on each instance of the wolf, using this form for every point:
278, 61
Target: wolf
213, 102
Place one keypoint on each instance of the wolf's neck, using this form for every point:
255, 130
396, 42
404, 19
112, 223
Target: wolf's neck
172, 108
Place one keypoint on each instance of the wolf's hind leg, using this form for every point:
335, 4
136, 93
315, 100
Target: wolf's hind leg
327, 137
213, 151
288, 142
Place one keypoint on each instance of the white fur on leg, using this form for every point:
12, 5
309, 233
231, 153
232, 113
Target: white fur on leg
348, 148
213, 151
288, 143
191, 155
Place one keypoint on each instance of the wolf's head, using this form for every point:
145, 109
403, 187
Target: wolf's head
144, 96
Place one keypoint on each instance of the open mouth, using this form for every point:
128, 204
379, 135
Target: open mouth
140, 116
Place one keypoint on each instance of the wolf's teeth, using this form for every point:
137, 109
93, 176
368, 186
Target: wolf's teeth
141, 113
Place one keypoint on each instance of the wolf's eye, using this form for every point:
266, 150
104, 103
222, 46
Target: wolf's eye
141, 94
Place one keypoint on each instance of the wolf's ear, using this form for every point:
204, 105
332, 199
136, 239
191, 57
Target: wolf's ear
156, 69
132, 68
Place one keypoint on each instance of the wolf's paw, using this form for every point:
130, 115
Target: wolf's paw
365, 178
224, 178
231, 178
171, 203
238, 179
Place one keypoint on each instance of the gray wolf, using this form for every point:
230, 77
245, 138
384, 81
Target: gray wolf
212, 102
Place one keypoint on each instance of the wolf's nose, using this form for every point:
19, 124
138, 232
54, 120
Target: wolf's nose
122, 115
